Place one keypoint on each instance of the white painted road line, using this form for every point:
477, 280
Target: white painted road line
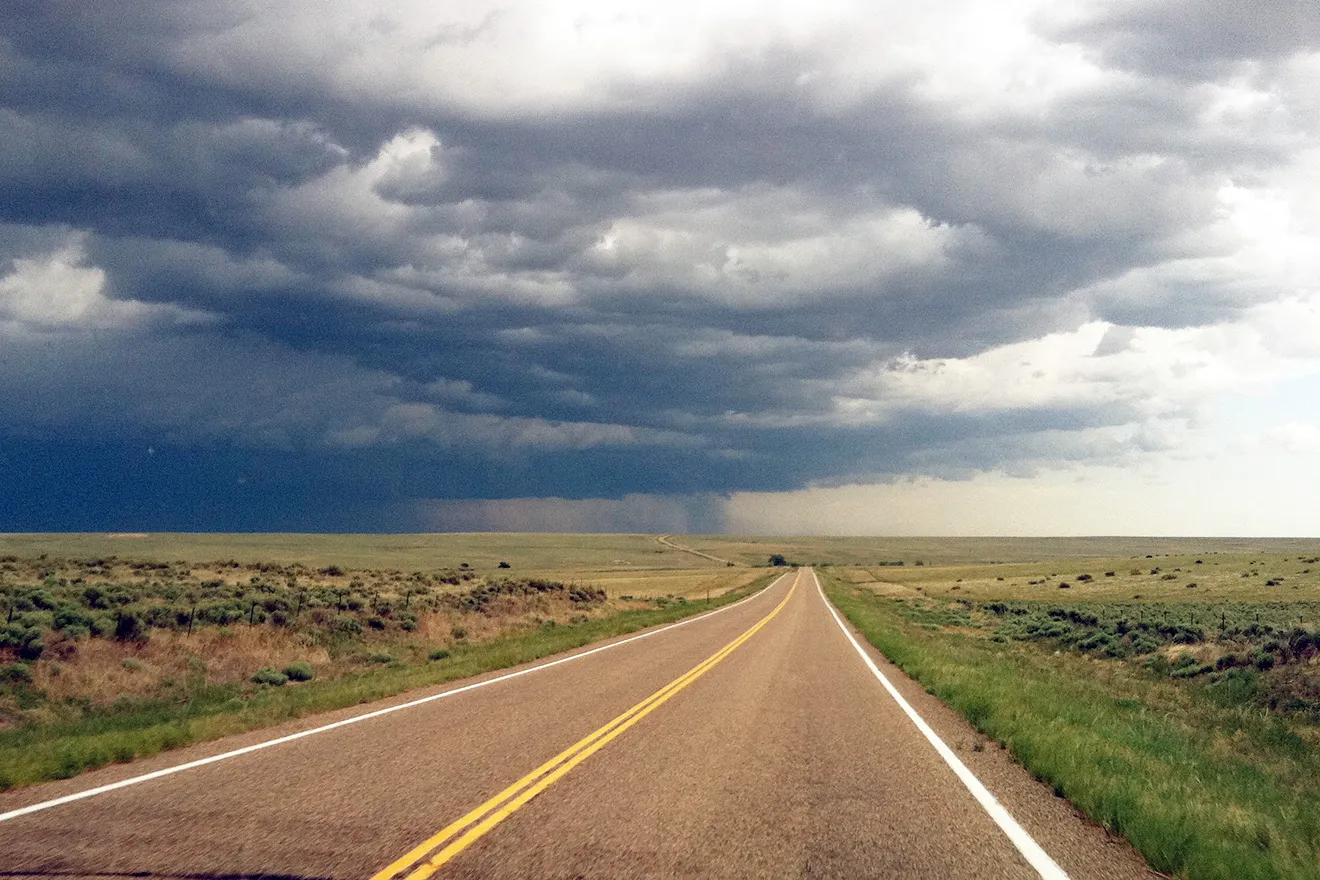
1031, 851
256, 747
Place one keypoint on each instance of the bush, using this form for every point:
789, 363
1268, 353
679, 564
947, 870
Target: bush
438, 654
458, 632
271, 677
69, 617
25, 640
299, 670
16, 673
130, 628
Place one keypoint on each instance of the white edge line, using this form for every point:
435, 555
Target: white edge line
1045, 866
201, 762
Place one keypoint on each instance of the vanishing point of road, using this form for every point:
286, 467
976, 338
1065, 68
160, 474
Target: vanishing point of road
755, 741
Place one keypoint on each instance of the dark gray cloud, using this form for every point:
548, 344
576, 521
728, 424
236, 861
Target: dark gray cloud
237, 230
1197, 38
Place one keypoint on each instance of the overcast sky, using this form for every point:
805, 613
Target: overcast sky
954, 267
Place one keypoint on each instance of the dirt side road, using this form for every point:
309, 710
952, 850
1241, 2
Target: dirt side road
785, 758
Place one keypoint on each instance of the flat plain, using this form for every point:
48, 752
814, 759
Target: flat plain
1168, 687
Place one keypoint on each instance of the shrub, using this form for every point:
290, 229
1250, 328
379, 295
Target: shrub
504, 565
71, 617
379, 657
299, 670
270, 677
1192, 671
458, 632
130, 628
1144, 644
438, 654
16, 673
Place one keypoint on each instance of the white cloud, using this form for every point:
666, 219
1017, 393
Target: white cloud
1155, 371
58, 291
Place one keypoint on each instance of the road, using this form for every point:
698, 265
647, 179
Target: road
753, 742
664, 540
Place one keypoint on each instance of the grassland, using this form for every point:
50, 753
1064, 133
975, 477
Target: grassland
543, 554
971, 551
1169, 687
1173, 698
108, 656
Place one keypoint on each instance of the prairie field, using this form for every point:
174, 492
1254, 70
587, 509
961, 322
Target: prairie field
127, 636
1170, 688
1174, 697
976, 551
539, 553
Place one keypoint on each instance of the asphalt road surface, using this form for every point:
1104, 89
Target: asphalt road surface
754, 742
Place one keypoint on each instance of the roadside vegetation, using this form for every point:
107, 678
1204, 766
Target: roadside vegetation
107, 659
1181, 712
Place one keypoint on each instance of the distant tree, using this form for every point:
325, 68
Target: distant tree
778, 559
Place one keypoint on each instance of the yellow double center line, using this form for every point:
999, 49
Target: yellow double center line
428, 857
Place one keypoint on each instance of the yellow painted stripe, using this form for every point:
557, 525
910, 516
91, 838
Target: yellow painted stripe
485, 817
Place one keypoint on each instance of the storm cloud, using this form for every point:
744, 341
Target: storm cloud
276, 266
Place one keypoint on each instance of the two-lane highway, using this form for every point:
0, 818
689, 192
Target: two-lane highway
751, 742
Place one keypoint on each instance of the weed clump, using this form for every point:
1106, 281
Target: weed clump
270, 677
299, 670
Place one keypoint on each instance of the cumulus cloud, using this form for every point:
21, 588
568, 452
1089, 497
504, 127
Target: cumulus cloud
58, 290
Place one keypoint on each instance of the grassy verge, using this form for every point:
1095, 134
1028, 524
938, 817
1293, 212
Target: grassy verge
58, 750
1204, 791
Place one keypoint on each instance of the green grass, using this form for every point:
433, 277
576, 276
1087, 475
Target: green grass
57, 750
1205, 789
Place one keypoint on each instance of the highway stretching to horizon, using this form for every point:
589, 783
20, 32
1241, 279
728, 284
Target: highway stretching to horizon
758, 740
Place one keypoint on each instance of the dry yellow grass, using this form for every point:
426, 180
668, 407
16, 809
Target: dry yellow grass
104, 670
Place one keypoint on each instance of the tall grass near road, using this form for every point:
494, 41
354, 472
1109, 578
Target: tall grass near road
1203, 791
58, 750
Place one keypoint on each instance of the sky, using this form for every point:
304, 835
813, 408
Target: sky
958, 267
